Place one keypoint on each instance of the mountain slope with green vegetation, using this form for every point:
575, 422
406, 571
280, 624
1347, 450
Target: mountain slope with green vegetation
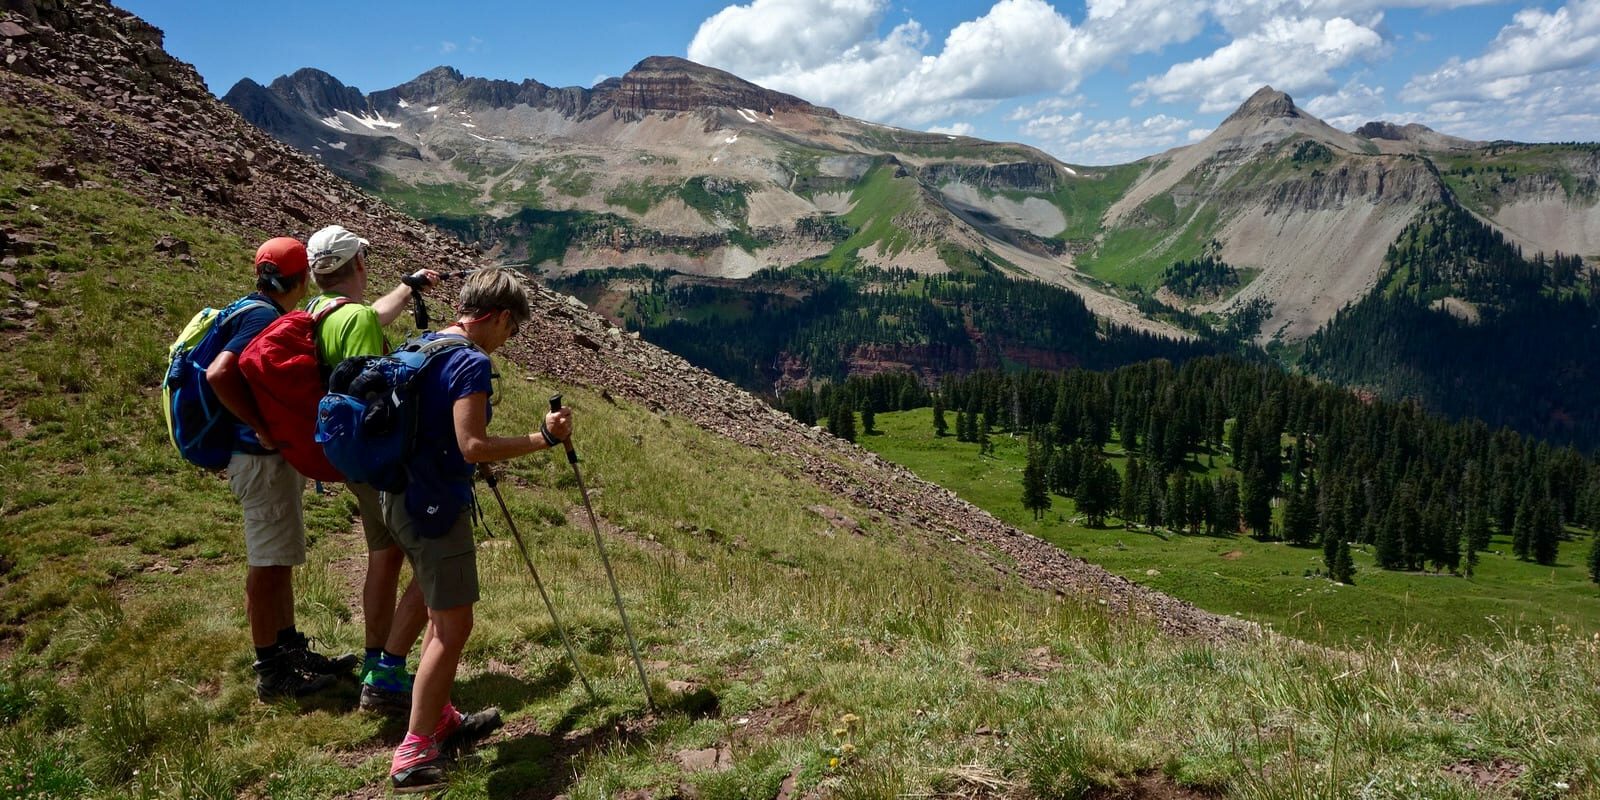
953, 666
127, 673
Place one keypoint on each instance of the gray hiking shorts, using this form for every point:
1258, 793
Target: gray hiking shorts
269, 491
372, 524
446, 568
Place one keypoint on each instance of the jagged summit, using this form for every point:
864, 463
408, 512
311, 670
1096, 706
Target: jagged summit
1266, 103
318, 92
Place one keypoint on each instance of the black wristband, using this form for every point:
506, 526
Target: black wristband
550, 439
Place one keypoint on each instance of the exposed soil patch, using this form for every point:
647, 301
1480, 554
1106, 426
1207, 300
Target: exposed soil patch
790, 718
1151, 786
1494, 775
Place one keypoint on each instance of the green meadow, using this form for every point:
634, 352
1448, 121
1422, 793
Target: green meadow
1270, 582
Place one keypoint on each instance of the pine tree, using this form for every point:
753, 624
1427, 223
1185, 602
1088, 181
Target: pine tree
842, 422
1594, 559
1330, 551
985, 447
1545, 543
1128, 507
1257, 502
1522, 532
1035, 496
868, 417
1228, 506
1097, 490
940, 429
1300, 519
1389, 543
1344, 567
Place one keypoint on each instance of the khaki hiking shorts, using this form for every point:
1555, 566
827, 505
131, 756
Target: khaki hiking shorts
269, 491
446, 568
372, 524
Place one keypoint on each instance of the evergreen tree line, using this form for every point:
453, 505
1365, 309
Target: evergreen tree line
820, 323
1423, 492
1206, 276
1530, 359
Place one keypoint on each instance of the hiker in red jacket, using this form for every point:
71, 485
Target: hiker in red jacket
269, 490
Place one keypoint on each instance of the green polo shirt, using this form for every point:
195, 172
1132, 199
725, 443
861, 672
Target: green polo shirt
351, 330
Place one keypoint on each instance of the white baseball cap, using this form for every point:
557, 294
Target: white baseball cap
331, 247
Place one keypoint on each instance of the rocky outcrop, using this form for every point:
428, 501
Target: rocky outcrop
666, 83
1417, 137
1266, 103
1376, 181
1023, 176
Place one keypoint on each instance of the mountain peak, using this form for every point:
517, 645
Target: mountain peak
1266, 103
318, 92
669, 83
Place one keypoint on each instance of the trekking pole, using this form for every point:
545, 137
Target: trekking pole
494, 486
419, 309
616, 594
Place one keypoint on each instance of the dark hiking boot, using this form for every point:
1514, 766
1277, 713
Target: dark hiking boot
282, 676
471, 729
424, 777
299, 646
385, 701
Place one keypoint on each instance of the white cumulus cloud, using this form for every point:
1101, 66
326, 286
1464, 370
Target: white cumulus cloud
828, 51
1081, 140
1353, 105
955, 129
1535, 43
1293, 55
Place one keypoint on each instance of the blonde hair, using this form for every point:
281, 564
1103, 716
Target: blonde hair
495, 289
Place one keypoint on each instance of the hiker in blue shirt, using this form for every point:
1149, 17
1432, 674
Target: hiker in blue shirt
269, 491
432, 518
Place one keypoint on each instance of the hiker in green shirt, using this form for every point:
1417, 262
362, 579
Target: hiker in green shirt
339, 267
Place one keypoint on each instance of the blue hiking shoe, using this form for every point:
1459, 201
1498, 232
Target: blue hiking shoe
385, 690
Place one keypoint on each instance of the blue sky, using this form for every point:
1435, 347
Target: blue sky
1096, 82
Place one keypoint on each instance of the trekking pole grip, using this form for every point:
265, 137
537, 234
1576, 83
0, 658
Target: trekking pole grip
572, 454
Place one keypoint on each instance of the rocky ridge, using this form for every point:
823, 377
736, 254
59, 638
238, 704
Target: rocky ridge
147, 118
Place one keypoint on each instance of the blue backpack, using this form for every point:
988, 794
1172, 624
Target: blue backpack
367, 423
197, 423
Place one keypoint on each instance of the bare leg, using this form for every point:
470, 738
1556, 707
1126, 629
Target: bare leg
377, 594
441, 653
410, 617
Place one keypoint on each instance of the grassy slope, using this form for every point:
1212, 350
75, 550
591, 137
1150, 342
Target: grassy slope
876, 201
1265, 581
126, 671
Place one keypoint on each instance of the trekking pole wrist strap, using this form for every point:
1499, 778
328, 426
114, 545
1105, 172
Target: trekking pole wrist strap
550, 439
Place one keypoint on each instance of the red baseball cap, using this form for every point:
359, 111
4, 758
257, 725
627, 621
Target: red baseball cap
284, 252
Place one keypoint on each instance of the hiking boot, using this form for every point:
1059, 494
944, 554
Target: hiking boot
424, 777
282, 676
386, 690
299, 646
468, 730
